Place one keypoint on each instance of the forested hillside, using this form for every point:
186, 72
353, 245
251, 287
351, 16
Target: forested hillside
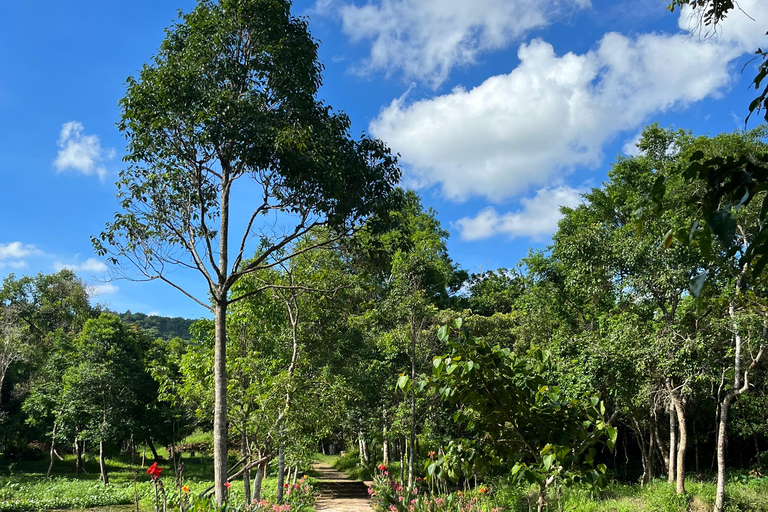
163, 326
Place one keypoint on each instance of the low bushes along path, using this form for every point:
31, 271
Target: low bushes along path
339, 493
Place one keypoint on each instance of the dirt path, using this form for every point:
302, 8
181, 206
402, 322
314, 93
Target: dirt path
339, 493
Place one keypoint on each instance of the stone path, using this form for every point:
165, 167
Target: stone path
339, 493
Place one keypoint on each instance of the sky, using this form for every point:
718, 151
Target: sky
502, 111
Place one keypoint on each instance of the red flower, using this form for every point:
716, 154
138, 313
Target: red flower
286, 486
227, 485
154, 471
382, 467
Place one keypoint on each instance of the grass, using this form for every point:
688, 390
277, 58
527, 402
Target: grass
24, 486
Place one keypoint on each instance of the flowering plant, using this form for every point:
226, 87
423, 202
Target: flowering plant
154, 473
388, 495
297, 497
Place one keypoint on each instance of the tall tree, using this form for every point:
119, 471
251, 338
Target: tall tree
229, 102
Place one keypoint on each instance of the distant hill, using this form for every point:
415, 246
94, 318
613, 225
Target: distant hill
165, 327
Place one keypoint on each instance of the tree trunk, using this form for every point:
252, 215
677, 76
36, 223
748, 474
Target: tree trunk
660, 449
385, 444
412, 444
646, 453
402, 462
280, 473
721, 442
103, 464
152, 448
220, 397
53, 450
682, 441
246, 473
78, 457
671, 466
262, 468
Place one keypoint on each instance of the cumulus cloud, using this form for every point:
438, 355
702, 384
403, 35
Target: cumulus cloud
95, 290
81, 153
425, 39
536, 219
89, 265
553, 113
13, 254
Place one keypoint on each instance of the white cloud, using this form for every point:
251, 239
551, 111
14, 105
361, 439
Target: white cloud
95, 290
554, 113
630, 147
16, 250
81, 153
537, 219
89, 265
425, 39
13, 254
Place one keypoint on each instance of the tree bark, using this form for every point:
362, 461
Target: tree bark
660, 449
53, 450
220, 397
152, 448
385, 442
78, 457
257, 481
671, 466
103, 464
682, 442
412, 444
280, 472
247, 473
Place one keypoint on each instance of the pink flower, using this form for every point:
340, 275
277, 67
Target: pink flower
370, 492
227, 485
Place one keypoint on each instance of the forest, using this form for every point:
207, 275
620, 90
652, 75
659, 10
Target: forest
604, 360
621, 368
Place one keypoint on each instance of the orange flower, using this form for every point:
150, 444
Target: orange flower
185, 489
483, 490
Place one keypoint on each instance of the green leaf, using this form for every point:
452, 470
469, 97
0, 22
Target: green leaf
442, 333
547, 460
404, 383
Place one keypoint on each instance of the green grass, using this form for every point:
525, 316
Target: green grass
742, 495
24, 486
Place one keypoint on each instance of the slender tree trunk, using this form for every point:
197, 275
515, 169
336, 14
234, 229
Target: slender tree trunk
247, 472
671, 466
280, 472
78, 457
53, 449
660, 448
646, 452
721, 443
682, 441
402, 462
103, 464
257, 480
385, 442
412, 444
152, 448
220, 396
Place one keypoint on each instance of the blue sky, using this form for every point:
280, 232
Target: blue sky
502, 111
